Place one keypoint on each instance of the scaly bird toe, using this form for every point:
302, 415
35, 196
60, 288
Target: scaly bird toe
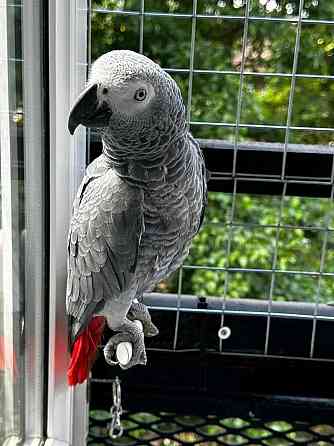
138, 311
128, 332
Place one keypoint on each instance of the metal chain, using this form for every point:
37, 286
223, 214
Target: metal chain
115, 427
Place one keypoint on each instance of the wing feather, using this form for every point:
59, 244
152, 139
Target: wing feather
103, 243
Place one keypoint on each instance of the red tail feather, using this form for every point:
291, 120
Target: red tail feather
84, 351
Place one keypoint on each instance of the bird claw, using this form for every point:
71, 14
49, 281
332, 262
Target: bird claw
129, 332
138, 311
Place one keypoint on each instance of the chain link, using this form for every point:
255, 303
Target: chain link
115, 427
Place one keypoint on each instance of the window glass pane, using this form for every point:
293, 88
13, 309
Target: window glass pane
118, 5
113, 32
218, 44
275, 8
267, 52
316, 50
167, 40
260, 98
12, 233
221, 7
214, 98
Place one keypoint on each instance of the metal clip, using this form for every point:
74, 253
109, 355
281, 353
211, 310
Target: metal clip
115, 427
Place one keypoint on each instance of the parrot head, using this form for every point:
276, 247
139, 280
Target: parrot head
131, 100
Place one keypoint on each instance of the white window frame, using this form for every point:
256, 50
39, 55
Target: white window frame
32, 322
67, 407
34, 186
10, 235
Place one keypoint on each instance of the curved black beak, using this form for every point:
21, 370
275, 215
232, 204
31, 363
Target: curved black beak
87, 111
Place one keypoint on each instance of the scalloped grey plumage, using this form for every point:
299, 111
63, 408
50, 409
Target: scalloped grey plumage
140, 203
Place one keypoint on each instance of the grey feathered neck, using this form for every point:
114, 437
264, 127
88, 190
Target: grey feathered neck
143, 156
144, 167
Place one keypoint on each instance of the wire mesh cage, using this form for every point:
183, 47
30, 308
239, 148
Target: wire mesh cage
257, 80
256, 246
179, 429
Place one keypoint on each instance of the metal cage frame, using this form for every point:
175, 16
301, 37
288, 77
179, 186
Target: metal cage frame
253, 376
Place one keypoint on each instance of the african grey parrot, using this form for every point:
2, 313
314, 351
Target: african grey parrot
140, 203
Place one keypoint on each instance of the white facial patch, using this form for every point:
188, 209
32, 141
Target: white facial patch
129, 97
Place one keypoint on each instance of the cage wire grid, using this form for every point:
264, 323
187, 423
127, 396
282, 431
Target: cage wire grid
172, 429
179, 429
298, 20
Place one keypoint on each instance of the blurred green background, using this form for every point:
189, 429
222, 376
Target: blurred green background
269, 49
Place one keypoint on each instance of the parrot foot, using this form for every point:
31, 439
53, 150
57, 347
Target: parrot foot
138, 311
129, 332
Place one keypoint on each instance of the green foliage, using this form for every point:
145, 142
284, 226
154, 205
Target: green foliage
254, 239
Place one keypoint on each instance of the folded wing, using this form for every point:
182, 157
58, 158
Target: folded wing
103, 244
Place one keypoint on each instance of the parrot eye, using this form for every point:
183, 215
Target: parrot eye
140, 94
105, 90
